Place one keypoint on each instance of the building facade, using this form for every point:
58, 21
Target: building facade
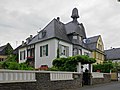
96, 45
42, 49
5, 51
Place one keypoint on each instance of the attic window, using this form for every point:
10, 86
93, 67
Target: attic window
42, 34
74, 37
80, 38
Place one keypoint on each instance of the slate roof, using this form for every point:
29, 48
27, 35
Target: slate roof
55, 29
112, 54
92, 42
75, 27
59, 30
3, 48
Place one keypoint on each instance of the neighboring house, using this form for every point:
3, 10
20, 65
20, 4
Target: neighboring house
113, 54
96, 45
42, 48
5, 51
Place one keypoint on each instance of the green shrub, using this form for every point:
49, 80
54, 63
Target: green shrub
70, 63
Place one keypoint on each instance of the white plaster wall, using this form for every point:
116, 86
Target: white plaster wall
116, 61
84, 50
86, 66
22, 49
52, 52
65, 44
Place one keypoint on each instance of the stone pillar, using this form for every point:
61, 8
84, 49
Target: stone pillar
90, 68
79, 67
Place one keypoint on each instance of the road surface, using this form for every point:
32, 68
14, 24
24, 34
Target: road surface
108, 86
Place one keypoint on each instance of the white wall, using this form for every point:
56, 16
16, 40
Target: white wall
116, 61
52, 52
22, 49
65, 44
84, 50
86, 66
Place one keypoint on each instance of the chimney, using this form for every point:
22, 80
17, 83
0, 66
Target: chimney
58, 18
27, 40
31, 36
22, 43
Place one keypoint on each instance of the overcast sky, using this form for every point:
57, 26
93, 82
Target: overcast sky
20, 18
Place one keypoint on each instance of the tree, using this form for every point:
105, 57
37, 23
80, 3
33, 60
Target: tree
105, 67
70, 63
12, 64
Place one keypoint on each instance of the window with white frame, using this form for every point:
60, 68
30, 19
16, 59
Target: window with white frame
63, 50
75, 37
86, 53
80, 38
44, 50
22, 55
29, 53
75, 51
80, 52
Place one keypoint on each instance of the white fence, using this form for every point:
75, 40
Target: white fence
7, 76
61, 76
97, 75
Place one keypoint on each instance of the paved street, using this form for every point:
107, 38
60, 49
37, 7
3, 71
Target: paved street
108, 86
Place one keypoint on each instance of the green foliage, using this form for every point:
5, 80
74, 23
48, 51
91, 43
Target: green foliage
11, 64
116, 67
105, 67
70, 63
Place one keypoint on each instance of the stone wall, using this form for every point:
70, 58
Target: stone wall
106, 79
43, 82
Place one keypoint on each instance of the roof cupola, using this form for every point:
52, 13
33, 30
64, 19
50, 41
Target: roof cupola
75, 14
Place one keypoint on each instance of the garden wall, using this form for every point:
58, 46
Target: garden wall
45, 82
106, 79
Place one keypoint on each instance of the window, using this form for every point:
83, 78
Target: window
44, 50
80, 52
85, 53
40, 35
74, 37
29, 53
22, 55
63, 50
75, 51
80, 38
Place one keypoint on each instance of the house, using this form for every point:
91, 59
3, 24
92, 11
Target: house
95, 44
113, 54
5, 51
42, 49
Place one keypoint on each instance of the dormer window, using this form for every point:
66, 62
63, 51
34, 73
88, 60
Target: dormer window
80, 38
75, 37
42, 34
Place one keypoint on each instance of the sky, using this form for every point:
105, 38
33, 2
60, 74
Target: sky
21, 18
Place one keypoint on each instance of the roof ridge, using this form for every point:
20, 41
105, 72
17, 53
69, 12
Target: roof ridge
94, 36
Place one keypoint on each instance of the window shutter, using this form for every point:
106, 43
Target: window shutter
40, 51
67, 51
24, 55
47, 50
60, 49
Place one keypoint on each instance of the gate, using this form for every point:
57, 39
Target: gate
86, 78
